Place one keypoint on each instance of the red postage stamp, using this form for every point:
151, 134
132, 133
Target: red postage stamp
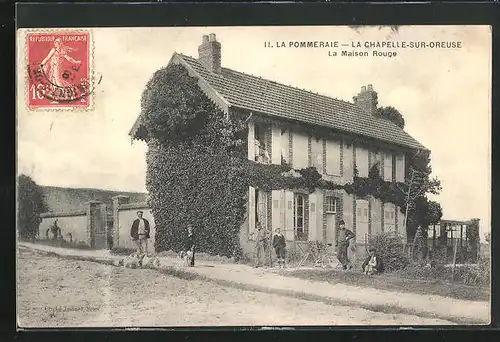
59, 70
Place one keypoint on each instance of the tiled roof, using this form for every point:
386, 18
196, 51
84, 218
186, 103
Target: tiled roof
272, 98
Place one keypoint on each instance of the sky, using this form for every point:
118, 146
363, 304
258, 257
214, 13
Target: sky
444, 96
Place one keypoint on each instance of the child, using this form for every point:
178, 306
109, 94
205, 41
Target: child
372, 263
279, 245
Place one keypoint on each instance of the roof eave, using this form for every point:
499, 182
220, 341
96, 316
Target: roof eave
408, 147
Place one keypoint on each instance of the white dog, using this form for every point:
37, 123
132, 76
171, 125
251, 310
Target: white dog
150, 261
134, 260
184, 258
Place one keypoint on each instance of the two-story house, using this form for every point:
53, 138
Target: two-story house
306, 129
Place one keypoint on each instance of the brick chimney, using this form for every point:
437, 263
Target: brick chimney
367, 99
209, 53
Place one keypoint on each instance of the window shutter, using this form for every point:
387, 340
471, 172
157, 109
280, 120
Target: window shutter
289, 224
313, 213
333, 157
276, 209
251, 210
400, 167
388, 166
300, 150
362, 161
251, 141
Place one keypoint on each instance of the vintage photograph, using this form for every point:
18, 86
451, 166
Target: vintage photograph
253, 176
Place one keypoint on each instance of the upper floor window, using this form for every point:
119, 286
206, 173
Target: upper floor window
262, 154
317, 154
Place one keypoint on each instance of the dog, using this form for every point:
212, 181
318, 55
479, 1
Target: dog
150, 261
184, 258
134, 260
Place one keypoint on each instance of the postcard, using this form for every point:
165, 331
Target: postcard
274, 176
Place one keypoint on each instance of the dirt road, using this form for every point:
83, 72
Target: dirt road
55, 292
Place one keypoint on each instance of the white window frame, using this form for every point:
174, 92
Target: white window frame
298, 229
329, 200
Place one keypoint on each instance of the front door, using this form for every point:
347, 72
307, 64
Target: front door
331, 231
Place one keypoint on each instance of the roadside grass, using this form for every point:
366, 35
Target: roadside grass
190, 275
391, 282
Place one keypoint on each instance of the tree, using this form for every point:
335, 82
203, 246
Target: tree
419, 210
30, 205
391, 114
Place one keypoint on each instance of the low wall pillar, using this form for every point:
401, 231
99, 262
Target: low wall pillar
117, 202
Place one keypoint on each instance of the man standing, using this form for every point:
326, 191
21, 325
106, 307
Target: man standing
279, 245
260, 240
140, 233
343, 238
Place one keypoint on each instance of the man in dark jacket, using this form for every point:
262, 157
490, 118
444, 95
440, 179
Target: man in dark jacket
344, 236
140, 233
279, 245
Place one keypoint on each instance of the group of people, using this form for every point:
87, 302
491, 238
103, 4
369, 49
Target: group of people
261, 249
371, 265
140, 233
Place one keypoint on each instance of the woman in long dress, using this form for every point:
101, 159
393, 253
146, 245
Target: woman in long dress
52, 65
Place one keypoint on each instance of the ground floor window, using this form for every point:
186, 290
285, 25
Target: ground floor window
331, 205
298, 216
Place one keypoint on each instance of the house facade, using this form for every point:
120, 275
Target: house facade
304, 129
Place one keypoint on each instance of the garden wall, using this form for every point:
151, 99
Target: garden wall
83, 227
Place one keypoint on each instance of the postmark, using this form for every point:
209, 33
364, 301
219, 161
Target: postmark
59, 70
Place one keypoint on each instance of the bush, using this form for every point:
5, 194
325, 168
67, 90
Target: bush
472, 275
390, 248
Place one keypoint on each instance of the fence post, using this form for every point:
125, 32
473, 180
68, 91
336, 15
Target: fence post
117, 201
93, 208
454, 260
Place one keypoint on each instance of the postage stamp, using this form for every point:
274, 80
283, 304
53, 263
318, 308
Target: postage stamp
59, 70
